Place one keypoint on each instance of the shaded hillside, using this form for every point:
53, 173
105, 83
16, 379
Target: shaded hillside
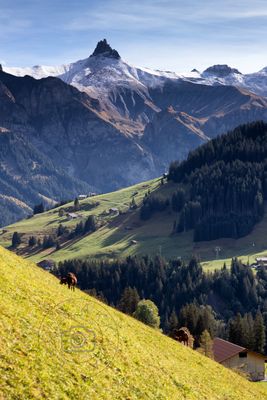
28, 177
227, 184
57, 344
54, 145
118, 126
126, 233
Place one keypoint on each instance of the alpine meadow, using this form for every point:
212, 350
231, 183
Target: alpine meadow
133, 200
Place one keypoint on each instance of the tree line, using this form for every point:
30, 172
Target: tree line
183, 293
222, 186
227, 184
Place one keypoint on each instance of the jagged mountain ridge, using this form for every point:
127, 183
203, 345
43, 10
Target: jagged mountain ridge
54, 145
82, 73
123, 124
126, 92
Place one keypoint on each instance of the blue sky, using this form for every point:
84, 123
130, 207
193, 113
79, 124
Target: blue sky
169, 34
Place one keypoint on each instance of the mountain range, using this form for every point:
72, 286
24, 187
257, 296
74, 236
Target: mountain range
100, 124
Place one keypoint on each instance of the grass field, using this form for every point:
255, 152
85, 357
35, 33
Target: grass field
114, 238
58, 344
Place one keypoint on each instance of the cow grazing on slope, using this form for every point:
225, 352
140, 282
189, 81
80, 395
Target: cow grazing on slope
69, 280
183, 336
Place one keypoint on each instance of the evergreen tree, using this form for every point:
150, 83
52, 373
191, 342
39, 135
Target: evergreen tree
32, 241
76, 204
60, 230
16, 240
38, 208
173, 321
259, 333
236, 334
48, 241
178, 200
90, 224
248, 331
129, 300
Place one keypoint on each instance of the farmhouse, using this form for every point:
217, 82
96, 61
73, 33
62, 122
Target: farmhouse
113, 210
262, 261
71, 216
82, 196
233, 356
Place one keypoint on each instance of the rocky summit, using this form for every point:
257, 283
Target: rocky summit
104, 49
104, 124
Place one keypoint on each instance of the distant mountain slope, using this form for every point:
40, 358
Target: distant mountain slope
212, 207
48, 333
130, 96
123, 125
51, 133
28, 177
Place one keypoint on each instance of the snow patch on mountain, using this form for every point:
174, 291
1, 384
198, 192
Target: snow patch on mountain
105, 70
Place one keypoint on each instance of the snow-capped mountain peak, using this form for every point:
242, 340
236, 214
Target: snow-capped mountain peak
220, 70
105, 70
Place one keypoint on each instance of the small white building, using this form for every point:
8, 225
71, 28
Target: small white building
262, 261
82, 196
113, 210
71, 216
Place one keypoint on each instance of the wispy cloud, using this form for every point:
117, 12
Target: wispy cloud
10, 25
167, 34
133, 16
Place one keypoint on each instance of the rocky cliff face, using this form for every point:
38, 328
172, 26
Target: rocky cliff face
54, 145
123, 125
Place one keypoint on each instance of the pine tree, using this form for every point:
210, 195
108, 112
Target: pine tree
129, 300
173, 321
259, 333
76, 204
38, 208
16, 240
90, 224
248, 331
60, 230
32, 241
235, 332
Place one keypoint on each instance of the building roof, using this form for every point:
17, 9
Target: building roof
73, 215
222, 350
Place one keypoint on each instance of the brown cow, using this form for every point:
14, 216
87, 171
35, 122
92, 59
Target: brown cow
183, 335
69, 280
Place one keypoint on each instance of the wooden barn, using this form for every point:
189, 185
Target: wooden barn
233, 356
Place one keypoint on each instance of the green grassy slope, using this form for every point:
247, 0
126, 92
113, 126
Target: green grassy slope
56, 344
114, 237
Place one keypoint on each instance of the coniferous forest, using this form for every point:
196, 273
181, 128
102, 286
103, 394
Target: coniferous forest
227, 303
226, 181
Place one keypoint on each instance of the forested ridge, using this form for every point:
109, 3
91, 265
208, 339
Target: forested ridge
227, 184
183, 293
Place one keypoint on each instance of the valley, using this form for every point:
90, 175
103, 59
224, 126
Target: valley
133, 200
115, 238
66, 126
